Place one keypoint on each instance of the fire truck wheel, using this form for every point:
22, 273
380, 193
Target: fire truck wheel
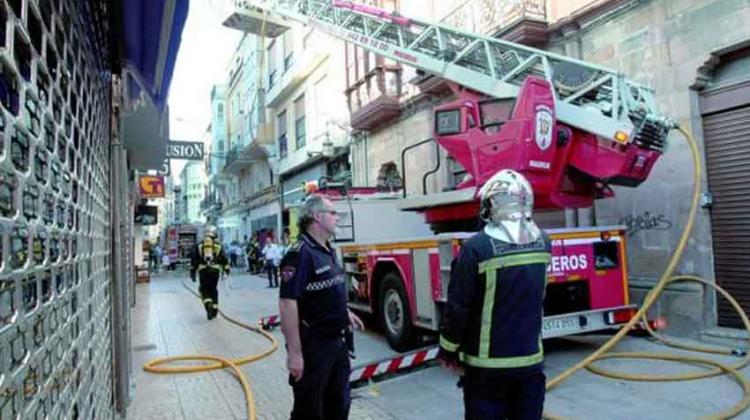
395, 316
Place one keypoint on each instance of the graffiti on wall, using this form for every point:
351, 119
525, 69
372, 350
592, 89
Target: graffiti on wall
645, 221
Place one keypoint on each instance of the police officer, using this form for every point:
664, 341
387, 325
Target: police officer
208, 261
315, 320
493, 317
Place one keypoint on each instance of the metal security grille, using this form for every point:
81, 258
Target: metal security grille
728, 158
55, 265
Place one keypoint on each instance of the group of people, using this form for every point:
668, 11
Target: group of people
492, 321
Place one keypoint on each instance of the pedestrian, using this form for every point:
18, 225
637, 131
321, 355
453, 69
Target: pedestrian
157, 257
272, 252
315, 321
208, 261
237, 252
165, 262
250, 255
232, 254
492, 329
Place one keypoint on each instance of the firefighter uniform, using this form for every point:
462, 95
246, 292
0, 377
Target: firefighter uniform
311, 275
493, 324
208, 261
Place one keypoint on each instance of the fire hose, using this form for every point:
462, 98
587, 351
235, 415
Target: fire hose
717, 368
216, 362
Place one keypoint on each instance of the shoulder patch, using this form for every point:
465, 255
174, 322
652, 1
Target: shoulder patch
287, 272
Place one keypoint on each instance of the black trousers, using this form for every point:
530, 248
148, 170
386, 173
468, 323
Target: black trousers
323, 391
273, 275
511, 397
209, 280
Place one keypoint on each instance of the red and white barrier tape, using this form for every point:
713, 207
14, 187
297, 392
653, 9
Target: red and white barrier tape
369, 371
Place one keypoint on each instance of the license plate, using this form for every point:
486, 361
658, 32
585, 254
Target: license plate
561, 324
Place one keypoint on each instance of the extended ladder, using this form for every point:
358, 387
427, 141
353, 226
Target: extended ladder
590, 97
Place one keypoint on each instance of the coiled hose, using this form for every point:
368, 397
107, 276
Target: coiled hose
155, 365
666, 278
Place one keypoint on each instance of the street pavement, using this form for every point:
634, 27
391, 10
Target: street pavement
167, 321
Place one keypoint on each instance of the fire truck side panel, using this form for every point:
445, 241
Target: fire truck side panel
401, 259
426, 314
586, 257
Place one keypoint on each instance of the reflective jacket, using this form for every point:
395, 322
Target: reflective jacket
493, 317
208, 255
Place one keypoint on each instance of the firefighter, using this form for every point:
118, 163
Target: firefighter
315, 320
493, 317
208, 261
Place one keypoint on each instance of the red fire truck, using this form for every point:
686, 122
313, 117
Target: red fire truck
572, 128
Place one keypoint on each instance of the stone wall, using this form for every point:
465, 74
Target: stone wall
661, 44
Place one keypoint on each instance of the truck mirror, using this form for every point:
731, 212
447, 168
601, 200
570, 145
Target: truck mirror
448, 122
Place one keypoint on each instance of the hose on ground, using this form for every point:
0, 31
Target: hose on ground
216, 362
716, 368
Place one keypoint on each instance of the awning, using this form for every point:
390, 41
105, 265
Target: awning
151, 35
152, 31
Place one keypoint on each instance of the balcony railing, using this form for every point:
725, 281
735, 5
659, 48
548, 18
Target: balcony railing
231, 157
489, 17
374, 98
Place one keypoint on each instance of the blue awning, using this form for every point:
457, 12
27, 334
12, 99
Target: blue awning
152, 34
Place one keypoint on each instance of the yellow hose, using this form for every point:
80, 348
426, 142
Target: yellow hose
666, 278
155, 365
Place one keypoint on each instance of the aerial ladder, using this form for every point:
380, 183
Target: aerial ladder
572, 128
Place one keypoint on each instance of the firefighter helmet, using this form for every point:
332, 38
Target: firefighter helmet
506, 204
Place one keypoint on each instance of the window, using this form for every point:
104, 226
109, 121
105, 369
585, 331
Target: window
271, 59
220, 110
288, 50
281, 124
221, 146
300, 131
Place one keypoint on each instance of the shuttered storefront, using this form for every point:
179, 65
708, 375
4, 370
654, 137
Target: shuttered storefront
727, 139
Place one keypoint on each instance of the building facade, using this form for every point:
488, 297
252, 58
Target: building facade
304, 97
192, 192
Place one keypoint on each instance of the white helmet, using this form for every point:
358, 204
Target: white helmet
210, 231
507, 204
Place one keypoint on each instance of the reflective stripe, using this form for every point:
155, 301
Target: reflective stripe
447, 344
212, 266
324, 284
485, 334
207, 300
512, 260
503, 362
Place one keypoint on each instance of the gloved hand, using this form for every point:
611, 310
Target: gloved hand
192, 276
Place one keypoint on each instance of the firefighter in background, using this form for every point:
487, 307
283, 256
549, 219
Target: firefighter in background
493, 317
208, 261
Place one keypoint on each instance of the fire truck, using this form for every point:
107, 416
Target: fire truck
572, 128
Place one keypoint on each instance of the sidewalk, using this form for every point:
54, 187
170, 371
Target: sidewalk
169, 321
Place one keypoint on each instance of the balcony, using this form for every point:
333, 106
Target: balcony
520, 21
375, 98
281, 86
262, 197
259, 147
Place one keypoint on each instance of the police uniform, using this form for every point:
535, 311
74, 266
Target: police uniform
493, 324
208, 261
311, 275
